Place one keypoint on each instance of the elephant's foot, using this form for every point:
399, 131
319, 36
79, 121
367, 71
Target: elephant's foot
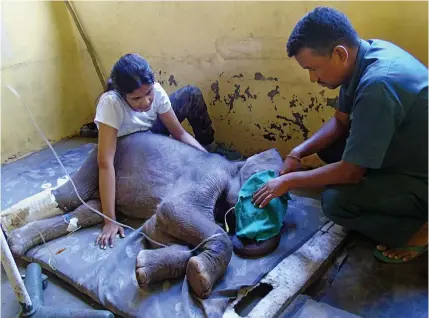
198, 277
157, 265
30, 235
204, 270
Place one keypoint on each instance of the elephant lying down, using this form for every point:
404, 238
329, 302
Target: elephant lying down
178, 189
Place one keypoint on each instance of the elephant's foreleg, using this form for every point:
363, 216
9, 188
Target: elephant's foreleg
27, 236
187, 223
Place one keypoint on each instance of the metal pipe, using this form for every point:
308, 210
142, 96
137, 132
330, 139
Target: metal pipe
14, 276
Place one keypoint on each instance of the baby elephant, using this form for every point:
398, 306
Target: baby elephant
178, 189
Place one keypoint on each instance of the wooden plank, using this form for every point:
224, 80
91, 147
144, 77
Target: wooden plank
294, 274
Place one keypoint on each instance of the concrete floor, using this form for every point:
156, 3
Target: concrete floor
57, 293
356, 282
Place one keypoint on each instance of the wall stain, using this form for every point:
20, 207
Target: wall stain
314, 103
172, 80
322, 93
297, 121
332, 102
272, 79
273, 93
249, 94
277, 127
257, 125
250, 107
292, 103
215, 89
260, 77
270, 136
277, 131
233, 97
238, 76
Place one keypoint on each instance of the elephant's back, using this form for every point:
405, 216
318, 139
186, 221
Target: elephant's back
147, 167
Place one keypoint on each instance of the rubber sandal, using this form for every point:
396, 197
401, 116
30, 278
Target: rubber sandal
419, 249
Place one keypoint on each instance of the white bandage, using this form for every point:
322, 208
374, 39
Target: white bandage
37, 207
72, 225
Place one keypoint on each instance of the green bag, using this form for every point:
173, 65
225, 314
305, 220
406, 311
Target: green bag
253, 222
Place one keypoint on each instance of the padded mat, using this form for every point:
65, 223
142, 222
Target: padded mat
108, 275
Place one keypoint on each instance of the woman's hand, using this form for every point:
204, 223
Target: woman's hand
107, 235
272, 189
170, 121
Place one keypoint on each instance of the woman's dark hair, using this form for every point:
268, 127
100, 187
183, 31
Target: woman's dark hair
129, 73
322, 30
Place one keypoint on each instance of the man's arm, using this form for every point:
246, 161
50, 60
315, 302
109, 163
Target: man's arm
336, 127
335, 173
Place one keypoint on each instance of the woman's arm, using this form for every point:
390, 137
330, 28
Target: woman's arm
106, 153
170, 121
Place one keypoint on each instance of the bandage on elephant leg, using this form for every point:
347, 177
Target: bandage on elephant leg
163, 263
185, 221
28, 236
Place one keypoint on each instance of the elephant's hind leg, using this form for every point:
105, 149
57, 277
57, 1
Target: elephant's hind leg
160, 263
164, 263
187, 222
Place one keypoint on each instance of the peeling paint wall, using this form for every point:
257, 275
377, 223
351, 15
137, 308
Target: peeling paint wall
235, 52
41, 61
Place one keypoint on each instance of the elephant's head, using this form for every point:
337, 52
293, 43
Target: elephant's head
267, 160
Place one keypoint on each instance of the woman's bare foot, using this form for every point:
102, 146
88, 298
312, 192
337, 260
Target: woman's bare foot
418, 239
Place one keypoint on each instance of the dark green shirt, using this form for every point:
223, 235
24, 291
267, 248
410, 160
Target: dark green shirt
387, 100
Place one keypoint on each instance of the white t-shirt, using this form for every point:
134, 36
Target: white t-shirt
114, 111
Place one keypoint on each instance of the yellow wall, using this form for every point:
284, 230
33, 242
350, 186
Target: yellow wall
40, 60
218, 46
221, 46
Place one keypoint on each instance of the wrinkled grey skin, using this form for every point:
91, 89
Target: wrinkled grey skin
178, 189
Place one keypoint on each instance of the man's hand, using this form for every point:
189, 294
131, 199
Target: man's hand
272, 189
291, 164
107, 235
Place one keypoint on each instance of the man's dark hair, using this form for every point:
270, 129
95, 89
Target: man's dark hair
321, 30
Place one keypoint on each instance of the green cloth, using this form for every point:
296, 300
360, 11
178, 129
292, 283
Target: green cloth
253, 222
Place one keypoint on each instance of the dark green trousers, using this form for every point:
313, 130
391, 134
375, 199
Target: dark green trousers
388, 208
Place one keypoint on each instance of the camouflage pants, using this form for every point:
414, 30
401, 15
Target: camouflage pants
188, 103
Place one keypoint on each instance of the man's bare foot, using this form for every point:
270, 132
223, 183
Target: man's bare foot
418, 239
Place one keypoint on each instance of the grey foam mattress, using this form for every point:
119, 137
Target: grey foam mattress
108, 276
